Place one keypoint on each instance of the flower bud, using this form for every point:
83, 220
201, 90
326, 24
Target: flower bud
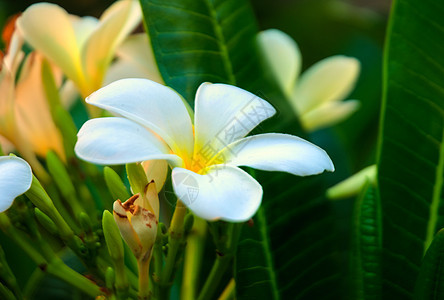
353, 185
115, 184
137, 221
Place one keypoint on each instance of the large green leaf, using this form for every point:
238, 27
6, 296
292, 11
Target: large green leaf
430, 284
411, 159
292, 244
196, 41
287, 253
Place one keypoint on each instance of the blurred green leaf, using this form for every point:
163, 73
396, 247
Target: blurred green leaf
207, 41
411, 160
367, 243
430, 283
291, 250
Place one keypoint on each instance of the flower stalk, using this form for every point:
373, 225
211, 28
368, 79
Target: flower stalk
175, 242
226, 244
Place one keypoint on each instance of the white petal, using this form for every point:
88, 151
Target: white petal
115, 25
156, 170
331, 79
136, 60
152, 105
278, 152
328, 114
48, 28
83, 28
111, 141
283, 57
15, 179
224, 114
224, 192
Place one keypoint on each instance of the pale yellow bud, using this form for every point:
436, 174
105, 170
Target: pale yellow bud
137, 221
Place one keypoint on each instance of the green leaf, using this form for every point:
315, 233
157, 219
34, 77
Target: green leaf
430, 283
255, 273
294, 241
411, 160
196, 41
367, 243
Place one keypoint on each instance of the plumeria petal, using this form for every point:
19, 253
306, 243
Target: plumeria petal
126, 229
83, 28
15, 179
15, 54
224, 192
278, 152
115, 24
328, 114
225, 113
7, 122
111, 141
331, 79
151, 104
48, 28
136, 60
283, 57
33, 117
156, 170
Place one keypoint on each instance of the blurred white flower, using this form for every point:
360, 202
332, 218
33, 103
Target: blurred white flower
25, 119
155, 125
83, 48
317, 95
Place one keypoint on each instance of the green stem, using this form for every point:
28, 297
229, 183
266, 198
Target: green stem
175, 240
122, 284
229, 292
8, 277
5, 293
55, 267
59, 269
21, 240
144, 279
211, 284
33, 283
158, 262
193, 258
226, 243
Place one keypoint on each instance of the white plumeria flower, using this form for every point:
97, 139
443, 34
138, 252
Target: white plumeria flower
15, 179
82, 47
315, 96
155, 125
